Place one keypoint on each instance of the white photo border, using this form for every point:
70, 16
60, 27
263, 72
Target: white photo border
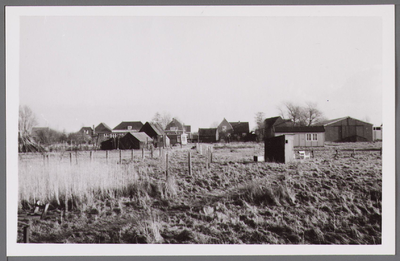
386, 12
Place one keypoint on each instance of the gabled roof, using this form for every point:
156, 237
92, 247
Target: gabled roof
207, 132
155, 126
329, 122
174, 123
225, 122
296, 129
102, 128
136, 125
141, 136
276, 121
86, 128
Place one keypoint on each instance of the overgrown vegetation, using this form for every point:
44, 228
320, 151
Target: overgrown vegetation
325, 200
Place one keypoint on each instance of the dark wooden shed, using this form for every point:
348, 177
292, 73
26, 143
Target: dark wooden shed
208, 135
347, 129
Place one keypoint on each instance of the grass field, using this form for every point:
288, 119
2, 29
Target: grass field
327, 199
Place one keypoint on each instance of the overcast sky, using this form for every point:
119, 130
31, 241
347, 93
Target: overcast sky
80, 71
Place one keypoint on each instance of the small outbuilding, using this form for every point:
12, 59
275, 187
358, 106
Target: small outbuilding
208, 135
347, 129
304, 136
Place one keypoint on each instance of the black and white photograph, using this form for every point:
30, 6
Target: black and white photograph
185, 130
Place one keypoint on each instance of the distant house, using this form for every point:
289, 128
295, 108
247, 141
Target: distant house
304, 136
240, 130
102, 131
156, 132
176, 132
347, 129
209, 135
225, 131
129, 126
86, 131
377, 133
135, 140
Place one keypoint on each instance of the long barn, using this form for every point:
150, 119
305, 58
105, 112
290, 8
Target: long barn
347, 129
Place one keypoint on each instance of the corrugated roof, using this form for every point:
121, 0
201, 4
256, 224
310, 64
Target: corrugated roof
300, 129
136, 125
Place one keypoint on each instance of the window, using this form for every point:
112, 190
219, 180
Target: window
315, 136
223, 128
129, 127
308, 136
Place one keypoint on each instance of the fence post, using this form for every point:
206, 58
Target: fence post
152, 150
27, 232
132, 154
120, 156
107, 155
91, 156
70, 158
166, 165
189, 164
143, 153
76, 156
211, 157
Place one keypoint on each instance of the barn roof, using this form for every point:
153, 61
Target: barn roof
136, 125
141, 136
155, 126
207, 132
300, 129
102, 128
329, 122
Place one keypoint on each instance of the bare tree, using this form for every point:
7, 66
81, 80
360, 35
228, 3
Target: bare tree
162, 120
259, 118
26, 120
301, 116
292, 112
311, 114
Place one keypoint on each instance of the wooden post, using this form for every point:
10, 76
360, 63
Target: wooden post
152, 151
189, 164
70, 158
76, 156
91, 156
120, 156
211, 157
26, 233
131, 154
143, 153
107, 155
201, 149
166, 165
